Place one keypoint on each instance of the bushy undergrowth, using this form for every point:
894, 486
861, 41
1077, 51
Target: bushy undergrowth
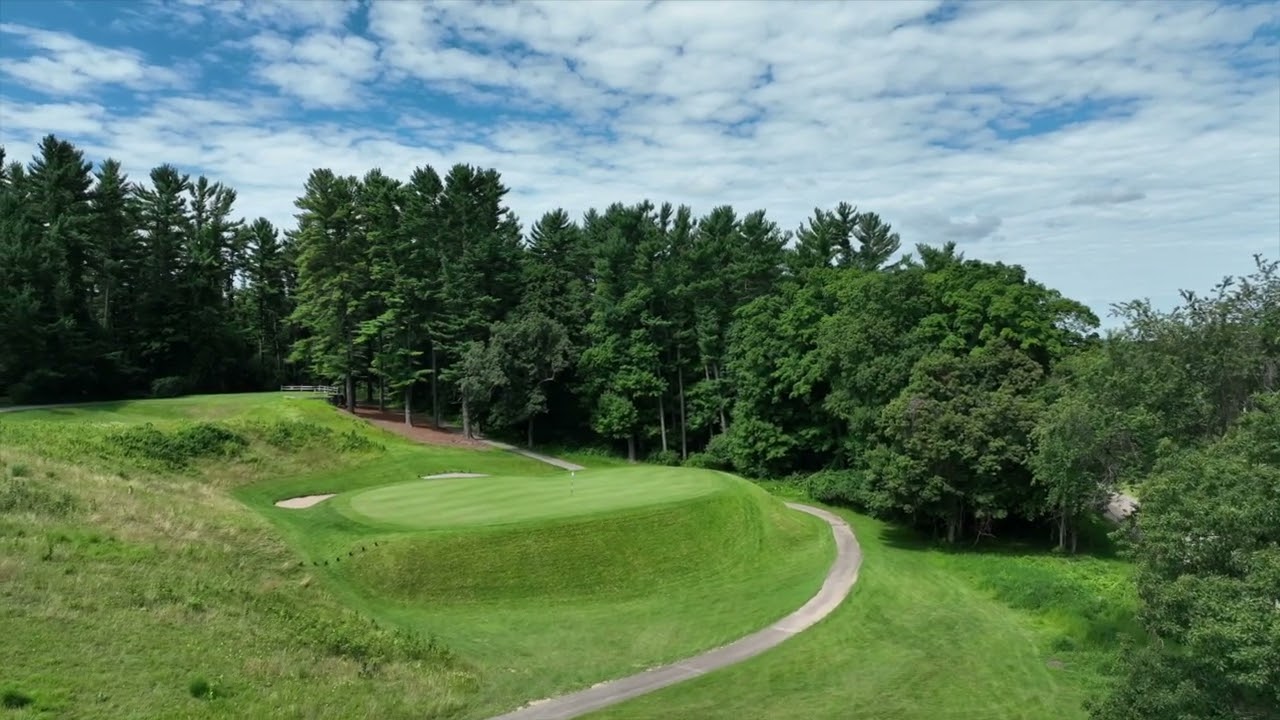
19, 494
178, 446
838, 487
1085, 602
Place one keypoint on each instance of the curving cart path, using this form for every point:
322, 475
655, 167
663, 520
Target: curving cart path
839, 582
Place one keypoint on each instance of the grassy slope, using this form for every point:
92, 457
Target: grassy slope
121, 585
931, 634
183, 581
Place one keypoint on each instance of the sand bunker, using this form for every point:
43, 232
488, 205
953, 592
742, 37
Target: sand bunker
305, 501
441, 476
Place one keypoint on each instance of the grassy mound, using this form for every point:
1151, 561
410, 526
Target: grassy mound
665, 548
468, 502
639, 566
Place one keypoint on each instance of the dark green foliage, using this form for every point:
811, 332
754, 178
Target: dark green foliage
839, 487
1208, 555
171, 386
174, 449
107, 285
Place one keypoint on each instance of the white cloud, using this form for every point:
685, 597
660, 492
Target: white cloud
322, 68
67, 65
1168, 176
280, 14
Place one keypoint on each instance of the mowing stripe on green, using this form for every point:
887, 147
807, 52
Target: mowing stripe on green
464, 502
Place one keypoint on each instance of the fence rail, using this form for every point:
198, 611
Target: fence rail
326, 389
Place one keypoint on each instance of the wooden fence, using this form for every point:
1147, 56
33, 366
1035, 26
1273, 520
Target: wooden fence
326, 389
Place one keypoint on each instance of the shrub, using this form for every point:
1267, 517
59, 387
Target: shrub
838, 487
664, 457
171, 386
178, 448
19, 470
714, 457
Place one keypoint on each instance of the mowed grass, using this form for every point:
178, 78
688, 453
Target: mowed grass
931, 634
547, 591
145, 571
464, 502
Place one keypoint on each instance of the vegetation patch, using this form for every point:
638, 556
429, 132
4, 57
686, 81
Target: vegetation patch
14, 699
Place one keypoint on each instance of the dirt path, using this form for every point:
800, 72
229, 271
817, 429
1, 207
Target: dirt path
562, 464
839, 582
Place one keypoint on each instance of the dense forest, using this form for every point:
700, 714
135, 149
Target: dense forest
952, 393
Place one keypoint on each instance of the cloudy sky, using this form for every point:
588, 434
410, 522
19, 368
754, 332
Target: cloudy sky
1115, 150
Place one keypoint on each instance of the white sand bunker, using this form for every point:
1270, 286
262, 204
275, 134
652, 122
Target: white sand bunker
441, 476
305, 501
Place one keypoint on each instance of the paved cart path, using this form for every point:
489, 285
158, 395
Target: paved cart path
839, 582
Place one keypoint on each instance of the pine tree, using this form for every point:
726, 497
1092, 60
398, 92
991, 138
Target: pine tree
332, 277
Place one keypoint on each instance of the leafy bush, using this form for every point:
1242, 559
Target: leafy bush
352, 441
172, 386
178, 448
664, 457
714, 457
838, 487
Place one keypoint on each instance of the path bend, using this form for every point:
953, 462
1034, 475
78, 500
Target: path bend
835, 588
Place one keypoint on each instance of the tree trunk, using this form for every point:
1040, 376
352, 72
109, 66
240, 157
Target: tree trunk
684, 436
435, 395
351, 392
529, 441
466, 419
1062, 527
662, 422
382, 394
408, 404
631, 448
724, 422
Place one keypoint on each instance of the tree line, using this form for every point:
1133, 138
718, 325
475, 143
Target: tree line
955, 394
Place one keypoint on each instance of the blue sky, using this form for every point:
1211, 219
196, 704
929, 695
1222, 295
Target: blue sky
1116, 150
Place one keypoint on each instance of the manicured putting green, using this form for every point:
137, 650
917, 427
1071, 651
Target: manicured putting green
461, 502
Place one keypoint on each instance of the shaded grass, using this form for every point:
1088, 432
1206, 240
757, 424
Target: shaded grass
931, 633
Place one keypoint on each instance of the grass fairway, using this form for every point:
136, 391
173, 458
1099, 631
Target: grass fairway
930, 635
463, 502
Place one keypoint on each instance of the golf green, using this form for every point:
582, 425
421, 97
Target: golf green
464, 502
